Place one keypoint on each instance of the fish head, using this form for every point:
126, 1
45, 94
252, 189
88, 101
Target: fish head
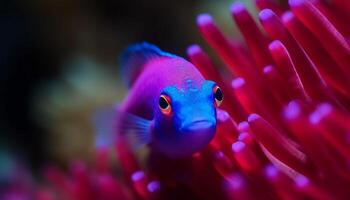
185, 120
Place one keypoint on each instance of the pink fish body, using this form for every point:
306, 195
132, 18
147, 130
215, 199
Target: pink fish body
170, 106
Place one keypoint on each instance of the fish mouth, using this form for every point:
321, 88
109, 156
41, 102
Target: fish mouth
192, 137
199, 126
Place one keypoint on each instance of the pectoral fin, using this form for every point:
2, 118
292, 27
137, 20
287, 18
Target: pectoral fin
134, 127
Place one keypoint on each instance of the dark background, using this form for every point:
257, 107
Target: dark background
39, 37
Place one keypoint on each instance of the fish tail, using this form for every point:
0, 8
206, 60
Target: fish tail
134, 58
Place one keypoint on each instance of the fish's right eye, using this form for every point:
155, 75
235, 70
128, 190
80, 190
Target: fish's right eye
218, 95
164, 104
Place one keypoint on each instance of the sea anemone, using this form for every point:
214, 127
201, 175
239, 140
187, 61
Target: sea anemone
286, 133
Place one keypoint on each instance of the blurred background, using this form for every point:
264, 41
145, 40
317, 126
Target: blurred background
58, 66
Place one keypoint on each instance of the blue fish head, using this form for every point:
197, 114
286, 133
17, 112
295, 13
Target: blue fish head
190, 121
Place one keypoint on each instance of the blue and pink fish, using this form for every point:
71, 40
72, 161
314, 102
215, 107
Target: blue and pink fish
170, 106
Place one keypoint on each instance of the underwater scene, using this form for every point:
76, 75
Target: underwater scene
175, 100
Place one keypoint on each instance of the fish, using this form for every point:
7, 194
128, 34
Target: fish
169, 105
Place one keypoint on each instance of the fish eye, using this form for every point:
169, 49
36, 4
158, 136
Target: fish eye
219, 97
164, 104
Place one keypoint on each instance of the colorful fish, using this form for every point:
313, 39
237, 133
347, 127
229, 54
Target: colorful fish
170, 106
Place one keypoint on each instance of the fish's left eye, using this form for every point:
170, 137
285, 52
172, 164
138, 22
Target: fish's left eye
164, 104
219, 97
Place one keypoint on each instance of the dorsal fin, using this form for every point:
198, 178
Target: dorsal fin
134, 58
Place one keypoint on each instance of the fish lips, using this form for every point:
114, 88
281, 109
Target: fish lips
198, 126
191, 138
199, 132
